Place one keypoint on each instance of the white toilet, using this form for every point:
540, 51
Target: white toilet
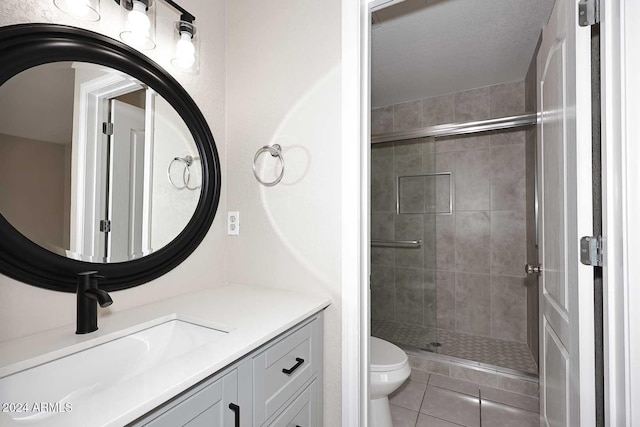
389, 369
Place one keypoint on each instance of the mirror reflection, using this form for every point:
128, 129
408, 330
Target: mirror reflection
95, 165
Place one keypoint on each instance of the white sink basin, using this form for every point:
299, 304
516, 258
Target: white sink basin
80, 375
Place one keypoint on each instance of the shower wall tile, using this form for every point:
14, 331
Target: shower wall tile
472, 142
445, 162
407, 165
438, 110
509, 308
445, 242
508, 179
430, 299
381, 150
382, 120
407, 115
429, 161
409, 227
472, 105
508, 243
507, 137
473, 180
429, 241
473, 233
409, 147
507, 99
446, 299
464, 142
473, 303
447, 144
382, 291
409, 296
382, 185
412, 195
429, 145
383, 256
382, 225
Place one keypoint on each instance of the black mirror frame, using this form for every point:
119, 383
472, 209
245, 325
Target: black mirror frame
27, 45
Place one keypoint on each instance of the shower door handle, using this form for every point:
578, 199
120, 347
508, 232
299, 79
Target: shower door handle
531, 269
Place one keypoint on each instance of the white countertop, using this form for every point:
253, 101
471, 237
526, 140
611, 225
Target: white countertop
251, 315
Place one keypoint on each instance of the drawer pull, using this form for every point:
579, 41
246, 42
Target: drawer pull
236, 410
289, 371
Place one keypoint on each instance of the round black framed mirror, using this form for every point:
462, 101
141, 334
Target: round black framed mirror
48, 49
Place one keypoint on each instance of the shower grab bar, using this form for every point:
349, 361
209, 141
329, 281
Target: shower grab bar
451, 129
396, 243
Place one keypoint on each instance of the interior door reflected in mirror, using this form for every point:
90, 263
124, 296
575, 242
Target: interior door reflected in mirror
87, 162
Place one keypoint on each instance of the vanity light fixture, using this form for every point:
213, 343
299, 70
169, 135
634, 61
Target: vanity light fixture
186, 44
139, 32
87, 10
139, 27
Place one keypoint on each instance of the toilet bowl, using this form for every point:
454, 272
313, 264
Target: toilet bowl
389, 369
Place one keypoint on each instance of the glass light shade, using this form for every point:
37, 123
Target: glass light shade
86, 10
185, 56
140, 28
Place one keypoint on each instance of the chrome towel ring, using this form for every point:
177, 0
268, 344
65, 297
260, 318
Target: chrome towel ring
186, 173
276, 151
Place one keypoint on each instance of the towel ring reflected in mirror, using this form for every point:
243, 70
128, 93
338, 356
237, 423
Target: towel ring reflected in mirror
186, 172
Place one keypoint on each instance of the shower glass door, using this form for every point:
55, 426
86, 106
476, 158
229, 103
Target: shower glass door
408, 194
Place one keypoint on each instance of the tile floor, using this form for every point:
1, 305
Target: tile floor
434, 400
507, 354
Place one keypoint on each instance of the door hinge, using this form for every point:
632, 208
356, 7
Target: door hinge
591, 251
588, 12
105, 226
107, 128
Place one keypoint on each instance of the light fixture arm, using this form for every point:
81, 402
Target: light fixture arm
184, 15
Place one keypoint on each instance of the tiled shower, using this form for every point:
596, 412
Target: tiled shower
463, 291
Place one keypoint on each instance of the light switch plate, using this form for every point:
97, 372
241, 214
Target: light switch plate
233, 223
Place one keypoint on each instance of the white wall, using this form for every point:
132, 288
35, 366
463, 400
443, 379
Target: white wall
172, 209
26, 309
284, 86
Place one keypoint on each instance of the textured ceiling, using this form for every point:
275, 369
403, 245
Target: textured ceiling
424, 48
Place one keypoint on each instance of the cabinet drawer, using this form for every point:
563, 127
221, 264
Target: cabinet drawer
282, 369
302, 411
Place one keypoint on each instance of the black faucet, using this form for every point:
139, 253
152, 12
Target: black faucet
88, 295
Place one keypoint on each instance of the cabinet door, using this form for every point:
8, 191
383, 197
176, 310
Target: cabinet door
208, 406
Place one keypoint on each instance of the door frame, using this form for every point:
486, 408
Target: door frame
620, 208
356, 148
86, 191
620, 127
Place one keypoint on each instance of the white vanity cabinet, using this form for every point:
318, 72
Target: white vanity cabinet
278, 384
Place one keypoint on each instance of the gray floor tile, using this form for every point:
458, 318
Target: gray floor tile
511, 399
419, 376
429, 421
497, 415
451, 406
409, 395
454, 384
403, 417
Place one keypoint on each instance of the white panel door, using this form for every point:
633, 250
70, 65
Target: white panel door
567, 381
126, 181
